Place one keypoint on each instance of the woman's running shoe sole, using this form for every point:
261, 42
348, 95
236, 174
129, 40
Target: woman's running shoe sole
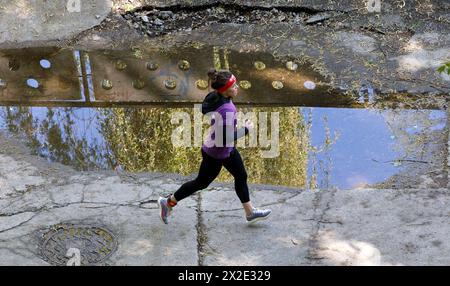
163, 210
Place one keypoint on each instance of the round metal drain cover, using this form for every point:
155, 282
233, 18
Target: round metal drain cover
92, 244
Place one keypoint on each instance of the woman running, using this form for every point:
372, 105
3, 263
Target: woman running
220, 151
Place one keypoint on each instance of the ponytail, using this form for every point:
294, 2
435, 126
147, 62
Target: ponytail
218, 78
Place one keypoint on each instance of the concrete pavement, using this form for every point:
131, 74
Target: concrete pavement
40, 21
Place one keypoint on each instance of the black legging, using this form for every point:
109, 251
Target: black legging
210, 169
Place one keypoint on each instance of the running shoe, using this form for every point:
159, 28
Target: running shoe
258, 214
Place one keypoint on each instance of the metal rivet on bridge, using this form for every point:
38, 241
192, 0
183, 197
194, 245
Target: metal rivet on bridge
202, 84
277, 84
45, 64
309, 84
184, 65
3, 84
138, 53
245, 84
31, 82
291, 66
13, 65
259, 65
152, 66
107, 84
170, 84
121, 65
138, 84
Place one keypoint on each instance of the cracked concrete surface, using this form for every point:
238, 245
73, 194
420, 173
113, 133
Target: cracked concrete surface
307, 227
29, 21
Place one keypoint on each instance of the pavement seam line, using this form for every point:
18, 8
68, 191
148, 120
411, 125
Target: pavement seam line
312, 256
202, 238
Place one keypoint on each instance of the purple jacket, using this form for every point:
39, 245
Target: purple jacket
226, 109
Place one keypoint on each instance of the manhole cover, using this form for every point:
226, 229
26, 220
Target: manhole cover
65, 243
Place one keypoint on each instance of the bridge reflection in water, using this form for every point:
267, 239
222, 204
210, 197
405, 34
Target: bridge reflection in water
173, 77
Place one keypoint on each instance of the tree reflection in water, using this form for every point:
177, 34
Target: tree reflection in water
60, 134
386, 148
139, 140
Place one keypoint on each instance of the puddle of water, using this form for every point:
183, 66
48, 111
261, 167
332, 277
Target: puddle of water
174, 76
368, 147
150, 76
319, 147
